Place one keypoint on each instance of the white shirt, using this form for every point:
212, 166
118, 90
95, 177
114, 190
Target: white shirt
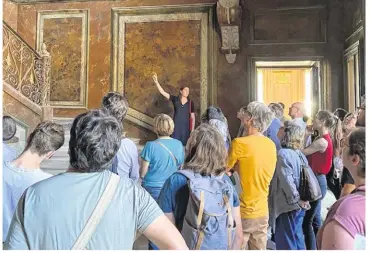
127, 160
16, 181
300, 122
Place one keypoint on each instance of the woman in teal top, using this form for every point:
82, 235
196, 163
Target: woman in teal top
162, 157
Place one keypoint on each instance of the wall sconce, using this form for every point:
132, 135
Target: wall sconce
229, 19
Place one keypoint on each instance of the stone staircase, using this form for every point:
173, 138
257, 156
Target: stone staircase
59, 162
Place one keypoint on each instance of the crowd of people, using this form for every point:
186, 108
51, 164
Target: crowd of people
181, 191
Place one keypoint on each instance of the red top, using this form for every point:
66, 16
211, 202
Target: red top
321, 162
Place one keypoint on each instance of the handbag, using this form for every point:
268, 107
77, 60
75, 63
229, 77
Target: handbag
309, 189
97, 213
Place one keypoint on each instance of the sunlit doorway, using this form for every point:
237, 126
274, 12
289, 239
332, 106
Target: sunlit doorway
286, 82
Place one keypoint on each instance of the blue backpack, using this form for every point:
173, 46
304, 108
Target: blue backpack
208, 223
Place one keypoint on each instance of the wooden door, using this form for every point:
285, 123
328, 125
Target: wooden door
283, 85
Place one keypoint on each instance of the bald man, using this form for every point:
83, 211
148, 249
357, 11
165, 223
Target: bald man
297, 113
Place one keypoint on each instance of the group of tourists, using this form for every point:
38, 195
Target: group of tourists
192, 187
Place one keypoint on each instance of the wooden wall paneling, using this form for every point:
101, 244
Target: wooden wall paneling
288, 25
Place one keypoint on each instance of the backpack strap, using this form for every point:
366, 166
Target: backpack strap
199, 220
97, 213
230, 220
171, 154
188, 174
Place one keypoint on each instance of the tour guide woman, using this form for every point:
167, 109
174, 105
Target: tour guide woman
184, 116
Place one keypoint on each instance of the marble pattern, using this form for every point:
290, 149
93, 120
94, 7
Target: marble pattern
10, 13
63, 39
172, 50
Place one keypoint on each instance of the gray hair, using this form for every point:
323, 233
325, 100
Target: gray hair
260, 114
9, 128
293, 137
276, 109
214, 116
95, 140
116, 104
47, 136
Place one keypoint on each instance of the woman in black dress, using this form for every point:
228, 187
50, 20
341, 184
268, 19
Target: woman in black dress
184, 114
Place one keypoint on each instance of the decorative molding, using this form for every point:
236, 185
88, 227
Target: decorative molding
199, 12
65, 14
359, 30
229, 18
320, 10
23, 68
352, 49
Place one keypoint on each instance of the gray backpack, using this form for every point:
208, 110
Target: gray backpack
208, 223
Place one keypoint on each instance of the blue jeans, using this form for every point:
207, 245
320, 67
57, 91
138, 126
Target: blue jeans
155, 193
289, 231
312, 219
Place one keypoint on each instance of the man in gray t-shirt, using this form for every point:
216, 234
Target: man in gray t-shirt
52, 213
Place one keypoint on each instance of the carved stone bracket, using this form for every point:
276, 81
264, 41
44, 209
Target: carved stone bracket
229, 19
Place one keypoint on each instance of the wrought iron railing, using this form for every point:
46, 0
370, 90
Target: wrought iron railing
24, 69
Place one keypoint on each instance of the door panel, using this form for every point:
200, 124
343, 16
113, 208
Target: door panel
283, 85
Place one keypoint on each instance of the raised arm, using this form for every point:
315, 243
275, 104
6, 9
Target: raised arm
160, 89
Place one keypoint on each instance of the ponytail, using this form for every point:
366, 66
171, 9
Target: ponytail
337, 135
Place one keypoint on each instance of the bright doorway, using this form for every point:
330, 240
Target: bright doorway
287, 82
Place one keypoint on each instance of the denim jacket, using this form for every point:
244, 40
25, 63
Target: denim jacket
283, 191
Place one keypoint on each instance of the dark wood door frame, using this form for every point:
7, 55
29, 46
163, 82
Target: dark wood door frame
321, 93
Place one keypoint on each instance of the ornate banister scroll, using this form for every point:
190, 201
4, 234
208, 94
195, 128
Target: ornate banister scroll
24, 69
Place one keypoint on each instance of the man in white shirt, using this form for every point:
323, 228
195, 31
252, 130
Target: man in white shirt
25, 171
126, 162
298, 112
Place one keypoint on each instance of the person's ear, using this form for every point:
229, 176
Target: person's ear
49, 155
356, 160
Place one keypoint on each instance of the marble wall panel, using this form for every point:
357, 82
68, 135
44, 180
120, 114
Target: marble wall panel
22, 113
172, 50
10, 14
62, 37
65, 34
